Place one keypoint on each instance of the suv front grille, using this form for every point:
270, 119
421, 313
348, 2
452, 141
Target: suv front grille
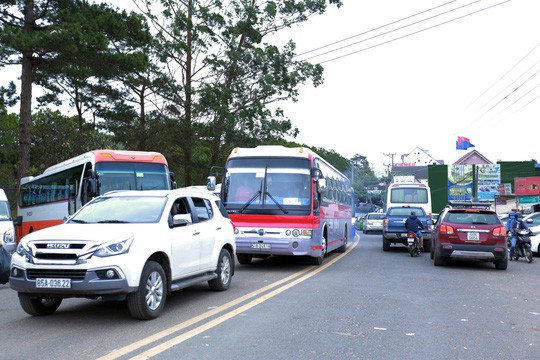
56, 273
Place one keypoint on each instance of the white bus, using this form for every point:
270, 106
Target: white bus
285, 201
409, 193
45, 200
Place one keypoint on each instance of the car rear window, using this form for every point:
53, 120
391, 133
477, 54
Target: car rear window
406, 211
470, 218
375, 216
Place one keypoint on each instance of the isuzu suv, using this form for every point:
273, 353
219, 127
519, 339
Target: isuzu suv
129, 245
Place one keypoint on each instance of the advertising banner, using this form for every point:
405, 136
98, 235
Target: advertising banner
489, 179
460, 182
527, 185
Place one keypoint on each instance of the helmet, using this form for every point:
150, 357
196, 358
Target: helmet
518, 215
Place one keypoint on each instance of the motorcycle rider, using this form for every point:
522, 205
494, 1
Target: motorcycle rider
414, 225
517, 224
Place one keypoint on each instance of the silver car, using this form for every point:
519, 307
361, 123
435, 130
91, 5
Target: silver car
373, 222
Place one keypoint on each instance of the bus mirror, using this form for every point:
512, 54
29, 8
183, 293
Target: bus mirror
173, 180
211, 183
17, 221
316, 173
322, 185
92, 187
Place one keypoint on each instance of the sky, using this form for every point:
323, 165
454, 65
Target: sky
420, 73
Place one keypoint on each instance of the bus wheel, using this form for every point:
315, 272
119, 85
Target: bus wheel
343, 247
244, 259
319, 260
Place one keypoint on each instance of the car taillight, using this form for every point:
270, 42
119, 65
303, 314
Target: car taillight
446, 230
500, 231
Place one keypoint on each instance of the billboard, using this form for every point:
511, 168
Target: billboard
488, 181
527, 185
460, 182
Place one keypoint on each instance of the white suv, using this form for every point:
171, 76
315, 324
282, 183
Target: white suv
134, 245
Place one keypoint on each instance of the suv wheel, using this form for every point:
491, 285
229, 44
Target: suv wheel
223, 271
38, 306
438, 260
148, 301
501, 264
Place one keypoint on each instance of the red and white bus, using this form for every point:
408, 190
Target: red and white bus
45, 200
285, 201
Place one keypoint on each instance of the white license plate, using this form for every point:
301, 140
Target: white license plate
474, 236
261, 246
53, 283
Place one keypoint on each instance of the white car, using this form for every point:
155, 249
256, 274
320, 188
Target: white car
7, 230
129, 245
535, 239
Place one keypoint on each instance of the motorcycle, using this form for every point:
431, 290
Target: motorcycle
413, 243
523, 245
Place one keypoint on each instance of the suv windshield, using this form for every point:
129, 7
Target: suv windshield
121, 209
5, 212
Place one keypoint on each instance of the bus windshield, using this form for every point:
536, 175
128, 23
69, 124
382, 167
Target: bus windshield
268, 182
131, 176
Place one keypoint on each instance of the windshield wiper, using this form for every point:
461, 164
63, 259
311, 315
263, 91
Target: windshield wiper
275, 202
256, 195
78, 221
113, 222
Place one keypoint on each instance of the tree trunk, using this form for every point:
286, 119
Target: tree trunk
25, 113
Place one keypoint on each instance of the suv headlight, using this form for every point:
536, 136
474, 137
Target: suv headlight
114, 247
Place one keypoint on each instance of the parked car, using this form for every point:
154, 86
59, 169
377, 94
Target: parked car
128, 245
373, 222
469, 231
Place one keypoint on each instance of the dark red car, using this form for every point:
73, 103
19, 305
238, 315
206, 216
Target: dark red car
469, 230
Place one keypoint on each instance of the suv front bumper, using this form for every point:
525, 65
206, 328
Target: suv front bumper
92, 285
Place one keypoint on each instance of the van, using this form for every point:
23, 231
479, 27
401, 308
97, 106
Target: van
7, 230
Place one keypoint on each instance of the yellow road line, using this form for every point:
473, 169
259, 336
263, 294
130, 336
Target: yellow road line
183, 337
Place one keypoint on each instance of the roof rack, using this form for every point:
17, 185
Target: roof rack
468, 204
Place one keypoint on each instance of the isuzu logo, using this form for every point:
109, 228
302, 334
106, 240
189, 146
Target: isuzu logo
261, 232
57, 246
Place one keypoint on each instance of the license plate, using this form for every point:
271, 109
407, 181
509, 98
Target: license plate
261, 246
53, 283
474, 236
410, 241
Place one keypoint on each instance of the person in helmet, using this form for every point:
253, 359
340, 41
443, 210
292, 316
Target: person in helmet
413, 224
511, 217
517, 224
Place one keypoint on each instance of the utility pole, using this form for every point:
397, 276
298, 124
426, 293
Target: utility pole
391, 165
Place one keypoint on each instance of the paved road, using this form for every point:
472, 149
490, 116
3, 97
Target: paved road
363, 304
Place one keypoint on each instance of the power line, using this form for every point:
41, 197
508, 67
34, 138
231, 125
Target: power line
377, 28
413, 33
391, 31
